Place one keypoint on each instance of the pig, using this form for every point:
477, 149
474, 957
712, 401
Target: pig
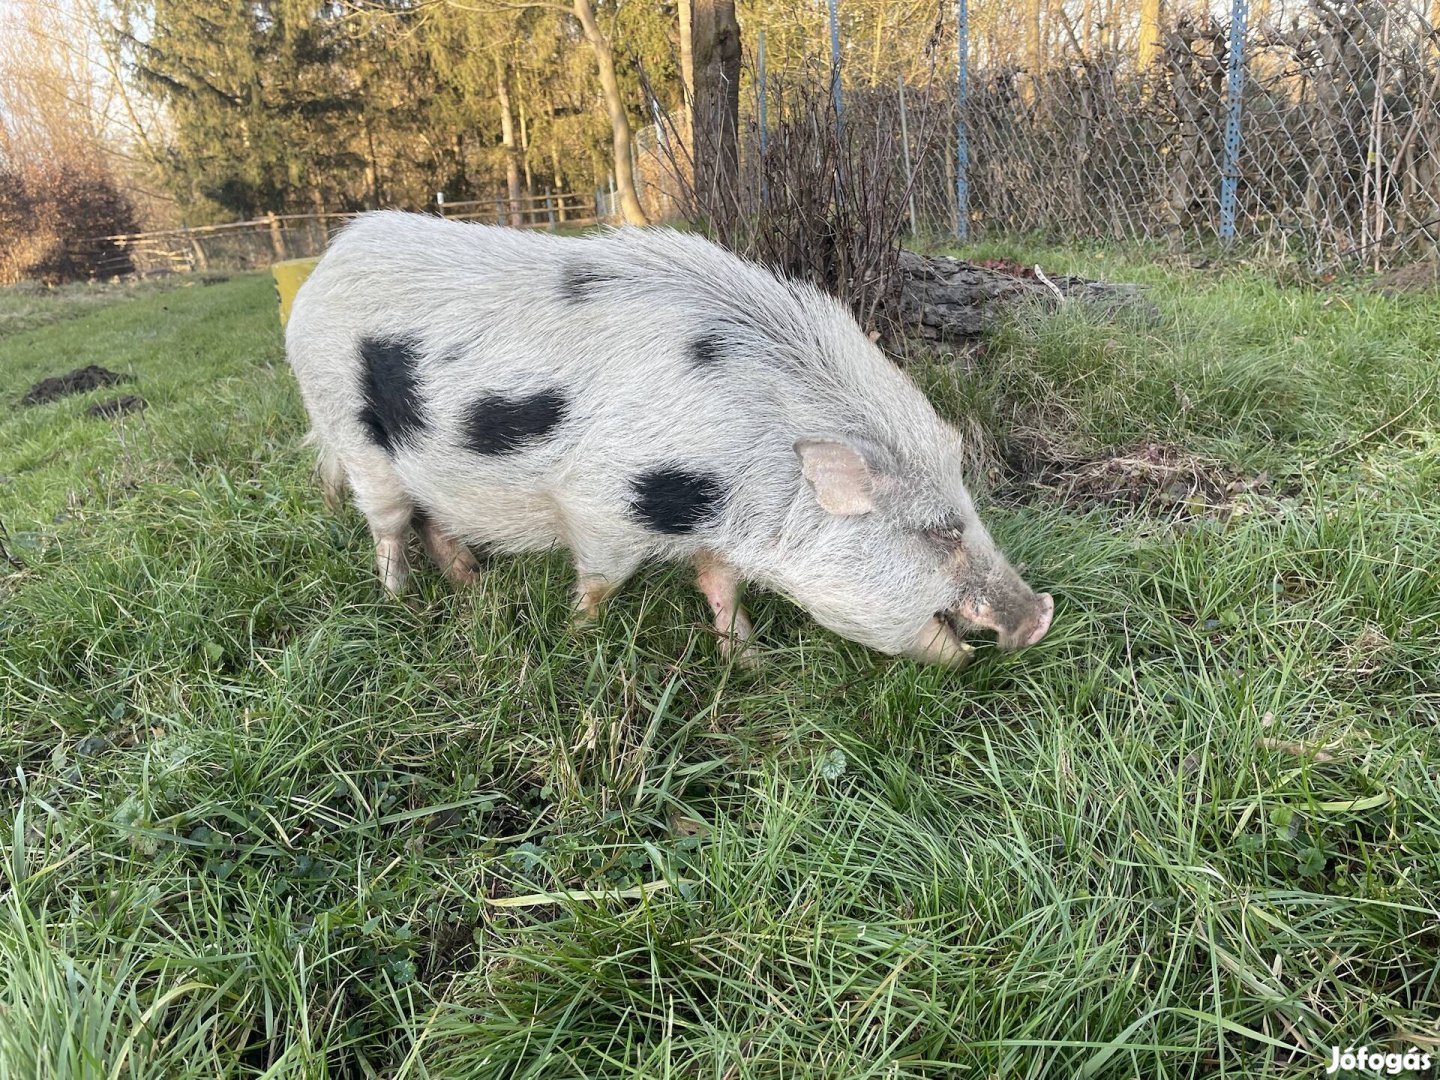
642, 394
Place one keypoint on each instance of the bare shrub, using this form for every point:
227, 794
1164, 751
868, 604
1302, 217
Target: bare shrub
824, 201
57, 167
45, 215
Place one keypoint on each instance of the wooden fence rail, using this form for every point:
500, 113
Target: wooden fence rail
258, 242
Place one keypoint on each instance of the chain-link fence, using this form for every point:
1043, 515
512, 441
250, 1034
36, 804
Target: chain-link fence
1309, 128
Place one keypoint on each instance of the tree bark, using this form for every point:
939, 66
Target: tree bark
525, 151
687, 62
1034, 42
715, 42
1147, 46
507, 139
372, 168
619, 122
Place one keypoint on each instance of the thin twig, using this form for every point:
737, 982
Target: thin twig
1040, 274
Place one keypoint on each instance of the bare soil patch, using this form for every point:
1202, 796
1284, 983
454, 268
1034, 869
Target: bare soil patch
73, 382
1416, 277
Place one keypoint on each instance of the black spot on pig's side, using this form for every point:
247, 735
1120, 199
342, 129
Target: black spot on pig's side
675, 501
502, 425
579, 282
706, 351
393, 413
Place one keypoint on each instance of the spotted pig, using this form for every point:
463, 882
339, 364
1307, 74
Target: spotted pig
642, 394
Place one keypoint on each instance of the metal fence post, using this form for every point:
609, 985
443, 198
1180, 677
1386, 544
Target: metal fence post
1234, 91
962, 143
550, 208
835, 68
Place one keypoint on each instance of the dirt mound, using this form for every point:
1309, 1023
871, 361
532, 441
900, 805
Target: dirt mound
74, 382
119, 406
1416, 277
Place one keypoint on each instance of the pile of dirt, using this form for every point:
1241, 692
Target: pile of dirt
74, 382
1152, 477
1416, 277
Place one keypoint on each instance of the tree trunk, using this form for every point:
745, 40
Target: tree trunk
1147, 46
507, 139
715, 41
1035, 43
557, 176
619, 122
372, 169
525, 152
880, 12
687, 62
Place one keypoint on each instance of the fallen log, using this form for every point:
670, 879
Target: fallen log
946, 299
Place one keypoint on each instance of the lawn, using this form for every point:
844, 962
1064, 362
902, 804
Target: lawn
258, 819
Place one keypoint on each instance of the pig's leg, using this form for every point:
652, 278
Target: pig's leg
717, 581
387, 511
454, 559
596, 578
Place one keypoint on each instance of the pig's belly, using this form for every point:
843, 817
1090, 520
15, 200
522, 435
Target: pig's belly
506, 520
482, 510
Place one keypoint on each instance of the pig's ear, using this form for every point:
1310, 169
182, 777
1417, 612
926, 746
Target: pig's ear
840, 475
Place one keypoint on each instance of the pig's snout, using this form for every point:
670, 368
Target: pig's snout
1045, 611
1019, 621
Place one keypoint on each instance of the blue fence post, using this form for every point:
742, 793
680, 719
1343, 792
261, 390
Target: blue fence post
835, 68
962, 141
1234, 91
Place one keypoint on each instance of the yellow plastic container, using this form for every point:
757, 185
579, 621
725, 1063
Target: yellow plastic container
288, 277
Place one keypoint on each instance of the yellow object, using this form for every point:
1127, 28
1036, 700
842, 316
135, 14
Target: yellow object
288, 277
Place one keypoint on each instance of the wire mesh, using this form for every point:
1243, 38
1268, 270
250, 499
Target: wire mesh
1330, 110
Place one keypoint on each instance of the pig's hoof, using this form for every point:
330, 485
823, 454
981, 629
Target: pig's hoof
583, 622
740, 653
463, 573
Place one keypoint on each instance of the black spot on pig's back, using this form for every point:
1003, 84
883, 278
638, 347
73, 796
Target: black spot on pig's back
580, 282
503, 425
675, 501
393, 413
706, 350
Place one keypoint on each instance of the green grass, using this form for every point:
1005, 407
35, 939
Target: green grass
261, 821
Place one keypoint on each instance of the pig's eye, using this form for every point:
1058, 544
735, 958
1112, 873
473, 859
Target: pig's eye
950, 533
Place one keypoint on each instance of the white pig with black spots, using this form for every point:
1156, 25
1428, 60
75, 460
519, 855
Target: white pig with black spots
642, 394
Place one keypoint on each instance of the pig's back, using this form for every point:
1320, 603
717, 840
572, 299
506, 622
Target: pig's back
556, 374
